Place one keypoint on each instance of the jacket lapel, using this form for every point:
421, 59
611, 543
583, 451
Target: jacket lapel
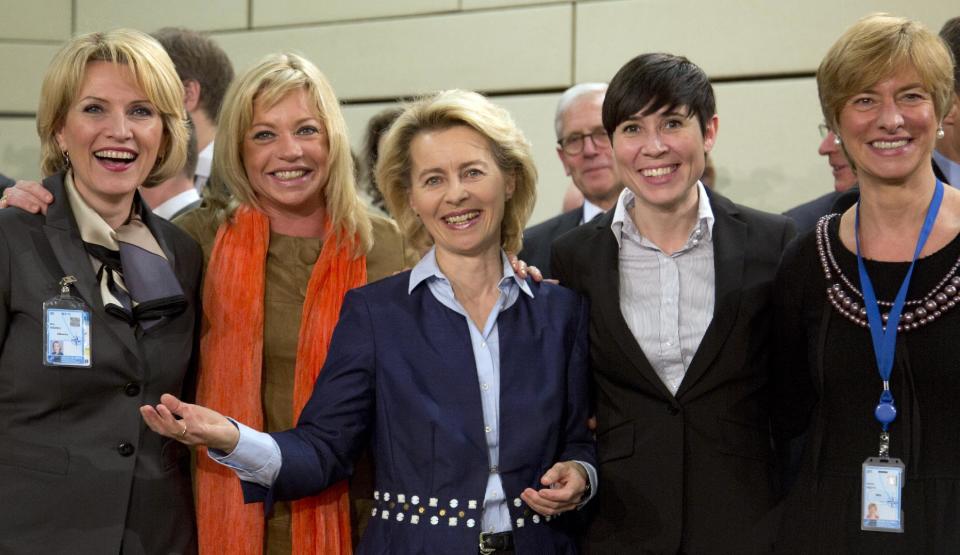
605, 274
64, 237
454, 385
729, 238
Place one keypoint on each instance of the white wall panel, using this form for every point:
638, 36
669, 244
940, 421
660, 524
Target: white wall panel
299, 12
35, 20
19, 148
150, 15
483, 4
766, 152
518, 49
22, 67
746, 37
724, 38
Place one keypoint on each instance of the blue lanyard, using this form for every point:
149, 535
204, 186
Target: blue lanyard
885, 340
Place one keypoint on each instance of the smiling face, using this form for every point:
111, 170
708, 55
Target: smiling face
889, 130
843, 176
458, 191
592, 169
112, 134
661, 156
285, 156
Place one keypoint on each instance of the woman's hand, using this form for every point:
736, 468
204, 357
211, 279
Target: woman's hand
566, 484
29, 196
197, 425
522, 270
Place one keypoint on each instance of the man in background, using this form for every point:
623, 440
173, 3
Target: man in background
946, 157
206, 73
584, 150
177, 195
807, 214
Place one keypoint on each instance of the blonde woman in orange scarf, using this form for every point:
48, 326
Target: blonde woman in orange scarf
280, 255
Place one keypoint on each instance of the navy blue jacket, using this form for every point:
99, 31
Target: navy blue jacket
401, 369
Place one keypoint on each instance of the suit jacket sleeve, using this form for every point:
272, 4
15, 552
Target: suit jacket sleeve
334, 425
579, 443
5, 267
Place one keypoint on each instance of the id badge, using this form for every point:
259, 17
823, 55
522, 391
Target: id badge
882, 495
66, 330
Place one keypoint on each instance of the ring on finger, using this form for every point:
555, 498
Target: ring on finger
3, 199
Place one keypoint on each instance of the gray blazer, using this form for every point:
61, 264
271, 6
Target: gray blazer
79, 471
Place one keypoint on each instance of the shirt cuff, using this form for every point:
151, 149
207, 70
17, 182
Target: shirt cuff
256, 458
591, 480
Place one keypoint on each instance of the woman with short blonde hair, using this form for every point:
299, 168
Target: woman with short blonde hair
441, 111
866, 313
438, 365
99, 311
151, 69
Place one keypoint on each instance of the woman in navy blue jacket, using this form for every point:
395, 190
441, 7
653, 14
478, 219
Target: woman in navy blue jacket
471, 382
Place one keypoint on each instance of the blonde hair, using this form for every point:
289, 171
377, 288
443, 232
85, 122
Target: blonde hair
153, 72
875, 47
444, 110
272, 78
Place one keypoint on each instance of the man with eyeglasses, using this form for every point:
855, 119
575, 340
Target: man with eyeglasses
807, 214
584, 150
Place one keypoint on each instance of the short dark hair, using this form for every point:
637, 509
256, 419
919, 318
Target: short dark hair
376, 127
198, 58
950, 33
654, 81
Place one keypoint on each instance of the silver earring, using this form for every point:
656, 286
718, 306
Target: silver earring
940, 132
66, 159
836, 140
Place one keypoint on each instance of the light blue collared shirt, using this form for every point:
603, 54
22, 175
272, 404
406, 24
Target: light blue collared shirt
257, 457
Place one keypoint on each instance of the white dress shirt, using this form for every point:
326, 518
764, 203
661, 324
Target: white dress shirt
667, 300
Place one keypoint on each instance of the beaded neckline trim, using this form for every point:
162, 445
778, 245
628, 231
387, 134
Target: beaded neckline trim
848, 300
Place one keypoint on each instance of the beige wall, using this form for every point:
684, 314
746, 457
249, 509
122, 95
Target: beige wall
522, 52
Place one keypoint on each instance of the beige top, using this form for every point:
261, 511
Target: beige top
289, 265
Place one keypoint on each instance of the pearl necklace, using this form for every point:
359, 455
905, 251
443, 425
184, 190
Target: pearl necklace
940, 299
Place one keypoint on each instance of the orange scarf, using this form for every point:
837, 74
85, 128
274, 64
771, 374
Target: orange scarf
231, 359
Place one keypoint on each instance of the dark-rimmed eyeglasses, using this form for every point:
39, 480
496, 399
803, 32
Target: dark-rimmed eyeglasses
573, 144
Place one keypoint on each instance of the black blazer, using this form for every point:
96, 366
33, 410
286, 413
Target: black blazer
806, 215
79, 471
5, 182
692, 473
537, 239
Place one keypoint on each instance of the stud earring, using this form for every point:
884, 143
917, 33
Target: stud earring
940, 132
836, 140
